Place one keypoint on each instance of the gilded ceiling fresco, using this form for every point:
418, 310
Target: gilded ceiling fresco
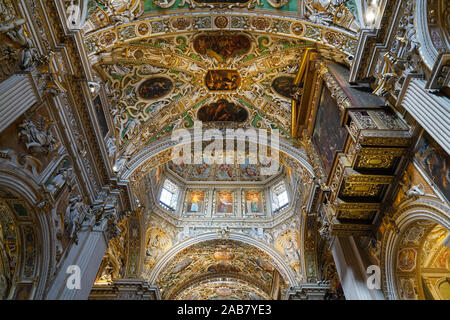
219, 172
422, 260
222, 80
233, 289
222, 111
154, 88
230, 70
158, 85
217, 257
222, 47
342, 13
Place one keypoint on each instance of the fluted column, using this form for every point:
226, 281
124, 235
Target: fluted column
16, 97
351, 268
431, 111
87, 255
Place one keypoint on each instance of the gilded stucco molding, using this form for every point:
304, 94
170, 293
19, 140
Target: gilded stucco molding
424, 208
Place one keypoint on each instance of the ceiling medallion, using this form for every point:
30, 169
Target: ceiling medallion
298, 29
221, 22
260, 23
181, 23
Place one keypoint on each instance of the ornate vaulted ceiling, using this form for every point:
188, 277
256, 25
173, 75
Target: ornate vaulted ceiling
423, 262
240, 263
166, 83
167, 64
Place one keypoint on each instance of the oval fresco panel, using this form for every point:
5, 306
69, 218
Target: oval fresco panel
284, 86
155, 88
222, 46
222, 110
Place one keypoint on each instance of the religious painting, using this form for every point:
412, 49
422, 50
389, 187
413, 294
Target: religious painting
224, 202
195, 201
178, 168
225, 172
215, 257
201, 171
155, 88
222, 80
406, 259
328, 136
249, 171
285, 87
253, 202
222, 46
436, 163
222, 110
101, 115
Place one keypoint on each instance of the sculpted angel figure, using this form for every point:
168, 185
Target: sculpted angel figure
117, 5
108, 271
35, 138
322, 11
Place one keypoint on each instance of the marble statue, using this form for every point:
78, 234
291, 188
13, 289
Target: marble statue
62, 176
415, 191
74, 215
35, 138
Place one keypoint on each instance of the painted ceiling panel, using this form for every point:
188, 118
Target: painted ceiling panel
160, 84
217, 257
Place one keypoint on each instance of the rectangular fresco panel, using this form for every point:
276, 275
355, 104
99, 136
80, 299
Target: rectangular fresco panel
436, 163
224, 202
195, 201
253, 203
225, 172
328, 136
222, 80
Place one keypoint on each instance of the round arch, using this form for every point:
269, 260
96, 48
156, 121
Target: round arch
432, 29
285, 271
165, 144
33, 233
336, 38
424, 208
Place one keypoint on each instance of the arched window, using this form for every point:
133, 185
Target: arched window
169, 195
280, 199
